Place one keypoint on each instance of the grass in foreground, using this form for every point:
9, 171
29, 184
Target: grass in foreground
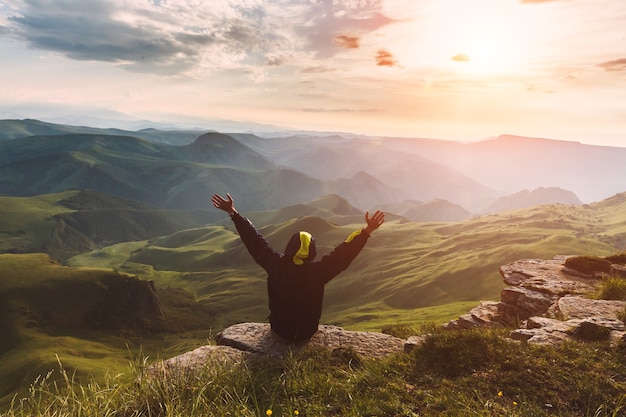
468, 373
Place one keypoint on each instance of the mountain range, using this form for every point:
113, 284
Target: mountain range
181, 169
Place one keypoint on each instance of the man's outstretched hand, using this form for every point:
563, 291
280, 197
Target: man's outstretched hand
225, 204
375, 221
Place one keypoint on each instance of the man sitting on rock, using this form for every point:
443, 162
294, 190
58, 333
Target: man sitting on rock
295, 283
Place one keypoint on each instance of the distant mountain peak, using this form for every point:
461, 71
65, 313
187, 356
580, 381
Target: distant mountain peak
220, 148
515, 139
539, 196
436, 210
336, 204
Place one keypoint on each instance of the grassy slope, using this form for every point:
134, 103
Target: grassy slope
30, 346
26, 222
33, 352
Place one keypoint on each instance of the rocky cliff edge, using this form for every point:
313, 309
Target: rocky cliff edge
550, 303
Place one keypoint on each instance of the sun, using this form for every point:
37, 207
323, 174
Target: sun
483, 52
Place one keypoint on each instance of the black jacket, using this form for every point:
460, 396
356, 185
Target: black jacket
296, 292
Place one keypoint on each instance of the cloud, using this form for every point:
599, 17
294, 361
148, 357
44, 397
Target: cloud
277, 60
460, 58
319, 69
178, 36
616, 65
135, 35
384, 58
326, 20
350, 42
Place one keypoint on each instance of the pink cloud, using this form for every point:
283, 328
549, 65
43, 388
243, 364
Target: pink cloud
384, 58
350, 42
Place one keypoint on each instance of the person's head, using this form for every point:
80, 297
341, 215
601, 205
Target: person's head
301, 248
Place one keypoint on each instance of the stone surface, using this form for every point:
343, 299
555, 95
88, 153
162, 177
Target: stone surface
197, 358
542, 331
576, 307
258, 338
549, 331
527, 302
413, 342
486, 314
547, 276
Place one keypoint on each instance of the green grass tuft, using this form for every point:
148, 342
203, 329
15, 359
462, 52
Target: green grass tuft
612, 288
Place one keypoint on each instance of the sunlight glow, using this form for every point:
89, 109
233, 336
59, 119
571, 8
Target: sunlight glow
489, 54
483, 52
486, 37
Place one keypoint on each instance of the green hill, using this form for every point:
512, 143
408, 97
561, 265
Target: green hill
65, 224
432, 211
408, 271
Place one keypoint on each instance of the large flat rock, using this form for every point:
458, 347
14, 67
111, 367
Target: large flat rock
241, 341
547, 276
258, 338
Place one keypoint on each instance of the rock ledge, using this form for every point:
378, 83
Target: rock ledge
549, 300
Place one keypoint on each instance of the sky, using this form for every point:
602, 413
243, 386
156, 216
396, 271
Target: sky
445, 69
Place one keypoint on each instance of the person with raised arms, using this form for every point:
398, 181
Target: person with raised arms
295, 282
